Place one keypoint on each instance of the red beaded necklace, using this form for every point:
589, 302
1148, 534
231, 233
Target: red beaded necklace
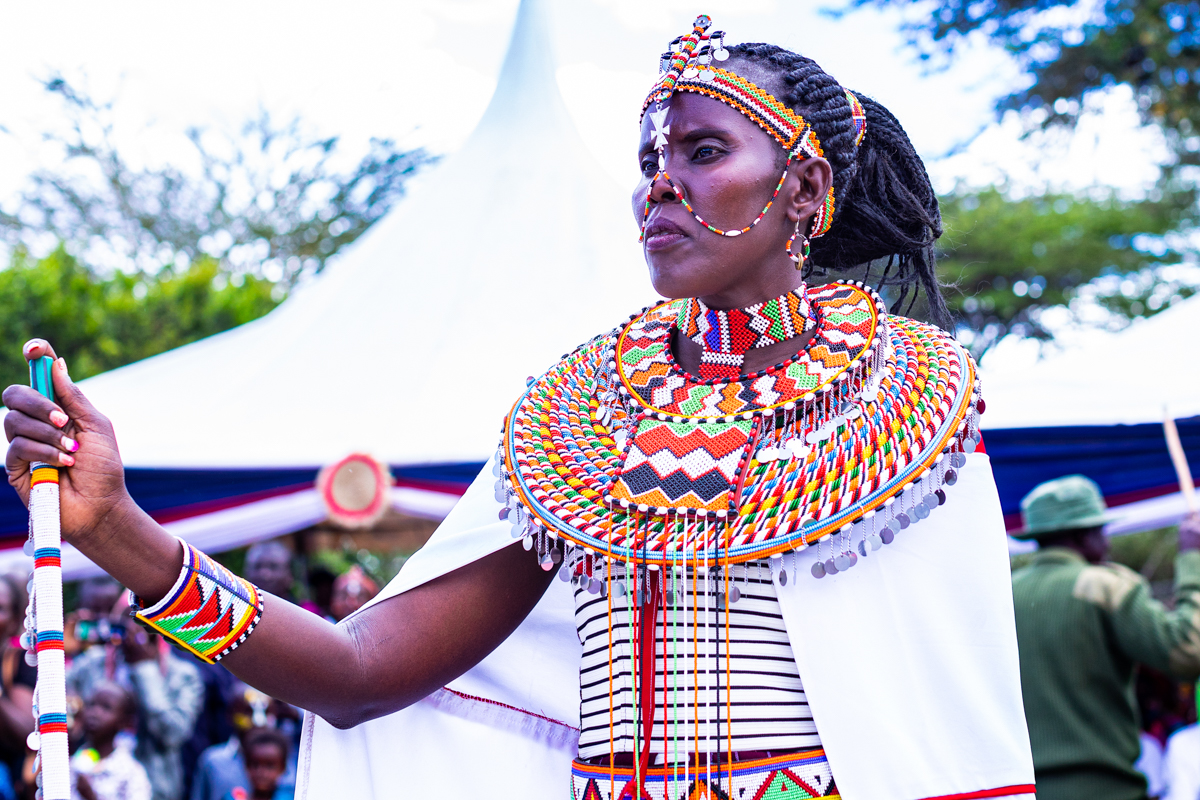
727, 335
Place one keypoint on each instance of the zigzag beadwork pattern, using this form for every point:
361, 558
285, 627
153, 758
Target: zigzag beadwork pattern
847, 324
683, 465
787, 127
209, 611
798, 776
618, 450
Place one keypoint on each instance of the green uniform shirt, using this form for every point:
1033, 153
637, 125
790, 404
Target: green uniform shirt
1081, 629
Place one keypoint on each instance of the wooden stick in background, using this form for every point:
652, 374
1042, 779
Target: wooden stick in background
1179, 459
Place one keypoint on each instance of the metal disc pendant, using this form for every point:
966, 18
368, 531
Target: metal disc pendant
783, 577
830, 567
903, 519
863, 548
518, 530
564, 574
969, 445
670, 597
504, 512
842, 562
951, 477
707, 74
527, 542
818, 570
931, 501
546, 563
500, 496
959, 460
853, 558
875, 540
690, 73
28, 548
940, 494
497, 469
735, 594
31, 658
556, 556
594, 586
887, 535
721, 54
921, 511
619, 590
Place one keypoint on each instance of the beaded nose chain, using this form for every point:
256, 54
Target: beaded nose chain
687, 67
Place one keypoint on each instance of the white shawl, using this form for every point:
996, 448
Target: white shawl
909, 662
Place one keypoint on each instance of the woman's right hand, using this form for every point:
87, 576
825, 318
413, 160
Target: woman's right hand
71, 434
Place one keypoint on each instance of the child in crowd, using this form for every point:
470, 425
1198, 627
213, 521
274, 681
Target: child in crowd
265, 751
351, 591
104, 767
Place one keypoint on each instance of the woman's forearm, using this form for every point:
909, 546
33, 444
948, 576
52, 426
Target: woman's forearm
135, 550
396, 652
381, 660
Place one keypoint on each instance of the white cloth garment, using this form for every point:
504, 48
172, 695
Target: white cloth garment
1150, 764
1181, 764
909, 661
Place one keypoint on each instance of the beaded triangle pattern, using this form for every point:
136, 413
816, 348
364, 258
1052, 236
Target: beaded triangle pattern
726, 336
620, 453
792, 777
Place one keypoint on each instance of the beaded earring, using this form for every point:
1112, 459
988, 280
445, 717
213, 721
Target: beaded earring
798, 258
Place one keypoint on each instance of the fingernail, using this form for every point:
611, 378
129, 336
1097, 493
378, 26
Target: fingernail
66, 460
58, 418
62, 363
70, 444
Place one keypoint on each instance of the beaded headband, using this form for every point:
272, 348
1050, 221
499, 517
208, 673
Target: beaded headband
687, 67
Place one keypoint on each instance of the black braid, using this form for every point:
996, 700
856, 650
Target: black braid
885, 205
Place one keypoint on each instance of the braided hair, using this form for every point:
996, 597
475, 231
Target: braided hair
886, 209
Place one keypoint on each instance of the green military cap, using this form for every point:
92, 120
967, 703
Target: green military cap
1061, 505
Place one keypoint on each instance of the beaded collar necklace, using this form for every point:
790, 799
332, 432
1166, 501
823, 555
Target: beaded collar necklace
727, 335
618, 455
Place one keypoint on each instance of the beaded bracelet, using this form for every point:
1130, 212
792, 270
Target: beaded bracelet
209, 611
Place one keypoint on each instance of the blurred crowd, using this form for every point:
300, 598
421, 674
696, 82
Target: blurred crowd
148, 721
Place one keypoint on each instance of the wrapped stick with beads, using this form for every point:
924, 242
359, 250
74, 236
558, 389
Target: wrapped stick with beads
43, 637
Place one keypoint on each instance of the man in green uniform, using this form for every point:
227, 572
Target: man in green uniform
1083, 625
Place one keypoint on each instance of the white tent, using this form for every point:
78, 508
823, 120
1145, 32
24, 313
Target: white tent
1103, 379
414, 345
1105, 395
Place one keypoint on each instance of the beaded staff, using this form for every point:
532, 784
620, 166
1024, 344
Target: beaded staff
1179, 459
43, 637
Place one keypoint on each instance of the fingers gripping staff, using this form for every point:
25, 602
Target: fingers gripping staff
43, 637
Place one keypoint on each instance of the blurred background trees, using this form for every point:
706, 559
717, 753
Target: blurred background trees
1011, 258
201, 248
144, 259
1106, 260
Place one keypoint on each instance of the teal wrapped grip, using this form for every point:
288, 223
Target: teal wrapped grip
39, 376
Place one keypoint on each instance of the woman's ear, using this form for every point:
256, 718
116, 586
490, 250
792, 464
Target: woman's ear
808, 183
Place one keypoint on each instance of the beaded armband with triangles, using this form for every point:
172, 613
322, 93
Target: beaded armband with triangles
208, 612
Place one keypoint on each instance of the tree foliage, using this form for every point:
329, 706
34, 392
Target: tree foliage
269, 204
1073, 47
101, 322
1008, 260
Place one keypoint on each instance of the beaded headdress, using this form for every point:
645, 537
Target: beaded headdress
688, 67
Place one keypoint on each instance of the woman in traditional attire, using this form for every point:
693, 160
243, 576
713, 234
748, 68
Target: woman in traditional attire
782, 559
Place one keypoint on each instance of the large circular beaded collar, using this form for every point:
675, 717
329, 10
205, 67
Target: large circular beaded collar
619, 453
